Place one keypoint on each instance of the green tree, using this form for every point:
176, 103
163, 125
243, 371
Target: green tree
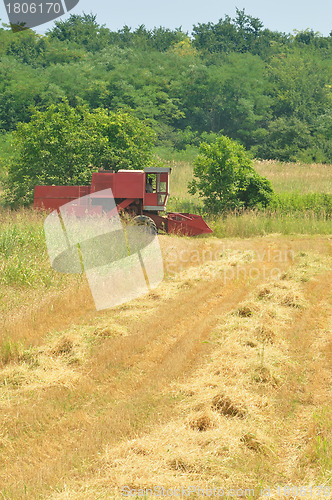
226, 179
228, 35
160, 38
5, 38
64, 145
22, 88
81, 30
27, 46
285, 138
299, 84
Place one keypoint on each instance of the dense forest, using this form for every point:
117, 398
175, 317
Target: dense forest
271, 91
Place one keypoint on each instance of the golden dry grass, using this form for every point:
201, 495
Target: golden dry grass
262, 439
220, 376
301, 177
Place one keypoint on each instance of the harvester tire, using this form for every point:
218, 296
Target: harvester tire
144, 220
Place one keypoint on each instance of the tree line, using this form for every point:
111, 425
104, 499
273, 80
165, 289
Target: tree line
269, 91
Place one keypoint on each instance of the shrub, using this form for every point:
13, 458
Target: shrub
226, 179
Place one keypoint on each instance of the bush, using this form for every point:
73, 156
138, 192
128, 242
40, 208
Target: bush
226, 179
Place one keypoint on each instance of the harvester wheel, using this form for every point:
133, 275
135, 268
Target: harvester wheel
144, 220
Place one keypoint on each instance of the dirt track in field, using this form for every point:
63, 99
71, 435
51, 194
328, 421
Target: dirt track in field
55, 428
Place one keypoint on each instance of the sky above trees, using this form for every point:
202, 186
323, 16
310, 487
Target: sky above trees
284, 15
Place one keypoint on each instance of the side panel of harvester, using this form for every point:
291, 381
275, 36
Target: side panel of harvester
53, 197
129, 185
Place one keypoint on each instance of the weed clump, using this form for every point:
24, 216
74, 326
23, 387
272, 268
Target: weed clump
9, 352
247, 310
224, 406
263, 375
265, 334
178, 464
201, 422
251, 442
64, 347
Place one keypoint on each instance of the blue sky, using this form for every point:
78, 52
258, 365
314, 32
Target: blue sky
281, 15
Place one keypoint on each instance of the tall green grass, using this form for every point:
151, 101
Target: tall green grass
22, 256
249, 223
24, 259
292, 202
191, 206
288, 213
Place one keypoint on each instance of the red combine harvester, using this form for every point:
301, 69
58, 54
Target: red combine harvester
142, 194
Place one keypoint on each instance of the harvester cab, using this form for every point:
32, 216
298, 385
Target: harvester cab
156, 189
